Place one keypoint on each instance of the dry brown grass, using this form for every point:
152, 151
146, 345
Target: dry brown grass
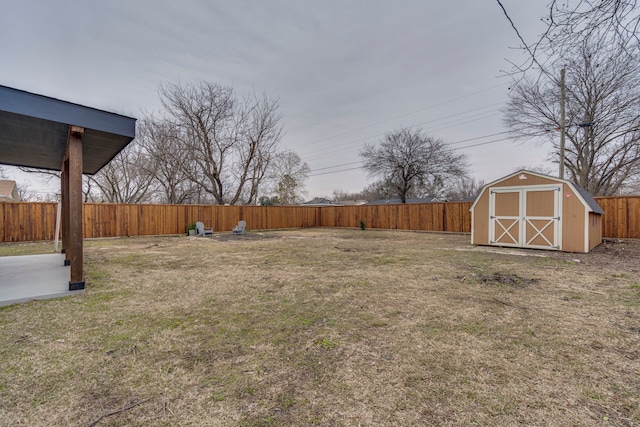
330, 328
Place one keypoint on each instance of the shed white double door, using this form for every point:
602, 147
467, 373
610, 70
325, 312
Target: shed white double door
527, 217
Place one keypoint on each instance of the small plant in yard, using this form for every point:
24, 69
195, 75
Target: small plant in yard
191, 226
363, 225
327, 343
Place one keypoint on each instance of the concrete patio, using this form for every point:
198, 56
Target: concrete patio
33, 277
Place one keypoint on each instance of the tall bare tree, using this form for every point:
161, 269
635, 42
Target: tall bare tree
568, 24
258, 148
167, 162
229, 143
602, 116
413, 164
202, 119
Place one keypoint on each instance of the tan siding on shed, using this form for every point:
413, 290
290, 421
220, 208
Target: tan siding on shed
579, 229
531, 180
481, 220
540, 203
573, 217
595, 230
507, 204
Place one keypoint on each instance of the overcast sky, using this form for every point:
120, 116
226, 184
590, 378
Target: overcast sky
345, 72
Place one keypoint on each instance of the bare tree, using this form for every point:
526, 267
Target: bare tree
568, 24
127, 178
257, 150
168, 162
202, 119
465, 188
413, 164
88, 189
52, 177
541, 169
377, 190
229, 143
632, 188
603, 116
26, 195
341, 196
288, 175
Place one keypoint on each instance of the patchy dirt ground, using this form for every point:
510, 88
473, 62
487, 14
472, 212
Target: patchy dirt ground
330, 328
612, 254
615, 253
250, 236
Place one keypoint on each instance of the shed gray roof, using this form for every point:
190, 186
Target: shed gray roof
595, 207
34, 130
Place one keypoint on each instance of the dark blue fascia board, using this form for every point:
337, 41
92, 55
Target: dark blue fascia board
46, 108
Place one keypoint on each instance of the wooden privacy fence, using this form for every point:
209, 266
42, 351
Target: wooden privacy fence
36, 221
621, 217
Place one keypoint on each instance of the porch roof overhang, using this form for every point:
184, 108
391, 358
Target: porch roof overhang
34, 131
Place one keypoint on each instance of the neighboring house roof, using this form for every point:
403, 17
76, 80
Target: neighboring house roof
318, 201
398, 201
587, 199
466, 199
353, 202
9, 191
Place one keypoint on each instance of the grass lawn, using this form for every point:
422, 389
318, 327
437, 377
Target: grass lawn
329, 328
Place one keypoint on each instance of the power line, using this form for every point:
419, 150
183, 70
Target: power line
429, 121
447, 143
476, 138
408, 114
336, 166
481, 143
456, 148
482, 116
452, 143
360, 167
479, 116
341, 170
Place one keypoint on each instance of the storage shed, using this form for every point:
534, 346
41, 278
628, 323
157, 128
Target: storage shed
531, 210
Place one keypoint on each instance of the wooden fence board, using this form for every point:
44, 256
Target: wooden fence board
22, 221
633, 217
3, 221
622, 216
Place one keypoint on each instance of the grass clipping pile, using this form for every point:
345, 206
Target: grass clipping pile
329, 328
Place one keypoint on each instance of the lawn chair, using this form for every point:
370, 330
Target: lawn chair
240, 228
201, 231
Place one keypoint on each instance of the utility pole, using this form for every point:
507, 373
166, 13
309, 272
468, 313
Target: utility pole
562, 124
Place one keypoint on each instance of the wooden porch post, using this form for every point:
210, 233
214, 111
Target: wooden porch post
72, 186
64, 197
